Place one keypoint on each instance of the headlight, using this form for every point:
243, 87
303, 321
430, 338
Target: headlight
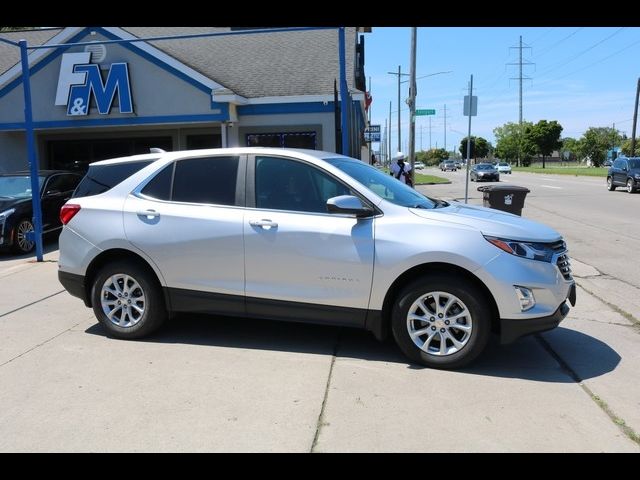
530, 250
6, 213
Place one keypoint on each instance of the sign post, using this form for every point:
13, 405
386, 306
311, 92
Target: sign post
470, 109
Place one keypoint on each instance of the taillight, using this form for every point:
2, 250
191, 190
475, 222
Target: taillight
68, 211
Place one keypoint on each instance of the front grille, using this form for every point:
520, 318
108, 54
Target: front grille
565, 266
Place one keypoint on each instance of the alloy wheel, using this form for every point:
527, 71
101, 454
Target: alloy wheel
122, 300
439, 323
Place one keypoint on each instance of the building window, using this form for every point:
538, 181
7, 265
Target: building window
196, 142
283, 140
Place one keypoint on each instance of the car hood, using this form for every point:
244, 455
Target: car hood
491, 222
7, 203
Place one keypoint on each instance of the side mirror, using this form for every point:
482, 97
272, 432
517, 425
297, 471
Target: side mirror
348, 204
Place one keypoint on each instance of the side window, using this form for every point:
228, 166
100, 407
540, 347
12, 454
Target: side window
284, 184
101, 178
206, 180
617, 164
54, 184
160, 186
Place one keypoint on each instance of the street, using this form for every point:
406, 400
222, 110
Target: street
240, 385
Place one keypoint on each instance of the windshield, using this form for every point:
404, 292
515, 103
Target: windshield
484, 166
384, 185
17, 186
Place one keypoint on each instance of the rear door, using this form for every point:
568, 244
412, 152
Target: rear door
301, 262
188, 220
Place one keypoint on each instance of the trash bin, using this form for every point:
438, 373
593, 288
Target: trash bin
508, 198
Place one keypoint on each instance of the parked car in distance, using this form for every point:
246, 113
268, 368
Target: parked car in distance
16, 206
625, 172
484, 171
307, 236
418, 165
503, 167
448, 165
458, 163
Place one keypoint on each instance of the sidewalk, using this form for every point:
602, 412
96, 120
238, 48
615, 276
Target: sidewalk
227, 385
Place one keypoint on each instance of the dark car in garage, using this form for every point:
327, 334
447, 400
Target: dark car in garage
16, 207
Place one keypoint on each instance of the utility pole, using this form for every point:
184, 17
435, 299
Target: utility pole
429, 133
390, 150
445, 127
635, 118
520, 77
399, 74
412, 102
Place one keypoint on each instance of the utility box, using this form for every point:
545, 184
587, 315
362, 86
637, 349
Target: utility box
508, 198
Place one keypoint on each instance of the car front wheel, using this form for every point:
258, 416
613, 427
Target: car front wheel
610, 185
630, 187
127, 300
441, 321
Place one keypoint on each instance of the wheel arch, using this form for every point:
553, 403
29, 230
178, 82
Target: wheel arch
430, 269
110, 255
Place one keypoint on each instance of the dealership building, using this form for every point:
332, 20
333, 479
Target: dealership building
97, 101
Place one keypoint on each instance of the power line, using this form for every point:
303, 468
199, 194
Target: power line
548, 49
574, 57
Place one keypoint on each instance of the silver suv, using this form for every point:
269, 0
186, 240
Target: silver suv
306, 236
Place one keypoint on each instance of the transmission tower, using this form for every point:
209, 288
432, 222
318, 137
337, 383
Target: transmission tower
520, 63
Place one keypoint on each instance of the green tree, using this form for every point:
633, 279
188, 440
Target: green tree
596, 141
480, 147
569, 149
511, 143
435, 156
545, 136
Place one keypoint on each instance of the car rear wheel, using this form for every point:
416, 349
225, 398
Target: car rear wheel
440, 321
630, 187
610, 185
127, 300
21, 244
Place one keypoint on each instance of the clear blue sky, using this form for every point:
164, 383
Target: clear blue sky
581, 76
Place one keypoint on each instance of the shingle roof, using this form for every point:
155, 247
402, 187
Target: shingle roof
10, 55
257, 65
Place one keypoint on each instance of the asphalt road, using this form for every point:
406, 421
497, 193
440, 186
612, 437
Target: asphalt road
241, 385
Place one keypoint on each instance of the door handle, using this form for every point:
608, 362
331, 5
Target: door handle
266, 224
149, 214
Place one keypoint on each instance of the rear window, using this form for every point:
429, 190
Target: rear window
101, 178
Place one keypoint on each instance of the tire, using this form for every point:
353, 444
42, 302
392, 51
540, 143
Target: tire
441, 345
126, 281
630, 187
610, 186
20, 242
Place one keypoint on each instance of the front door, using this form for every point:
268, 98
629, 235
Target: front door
302, 263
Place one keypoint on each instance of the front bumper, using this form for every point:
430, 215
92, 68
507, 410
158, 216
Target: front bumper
512, 329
